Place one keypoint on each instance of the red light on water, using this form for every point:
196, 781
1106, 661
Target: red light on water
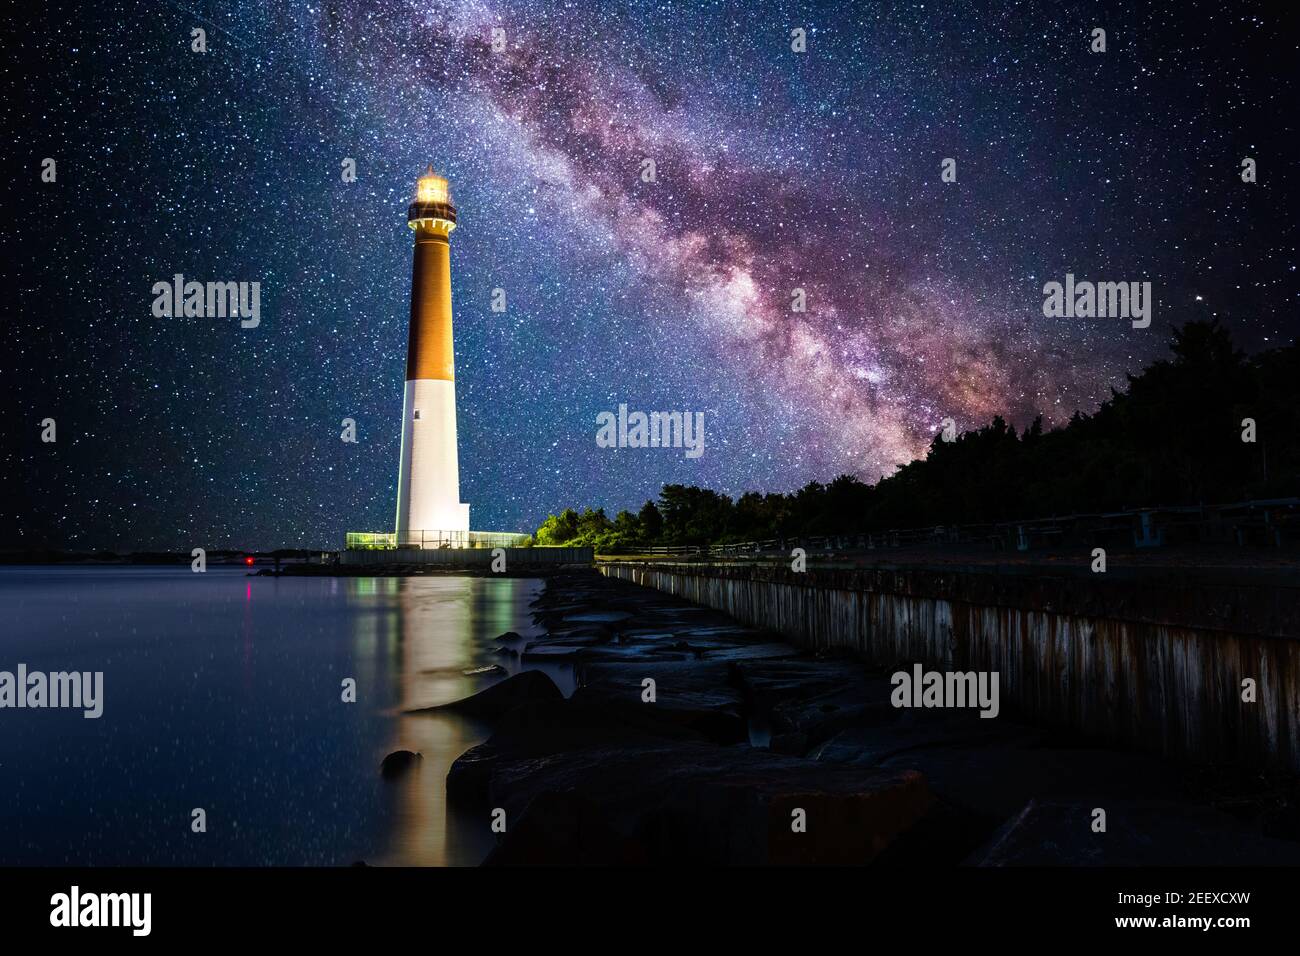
248, 561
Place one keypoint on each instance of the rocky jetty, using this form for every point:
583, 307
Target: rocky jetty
692, 739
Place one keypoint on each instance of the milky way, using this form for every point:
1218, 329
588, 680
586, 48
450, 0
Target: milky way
775, 171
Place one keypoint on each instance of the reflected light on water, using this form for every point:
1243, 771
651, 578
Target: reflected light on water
432, 630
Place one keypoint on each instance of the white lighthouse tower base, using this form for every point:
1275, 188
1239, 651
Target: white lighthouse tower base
429, 510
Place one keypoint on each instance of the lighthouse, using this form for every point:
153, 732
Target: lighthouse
429, 509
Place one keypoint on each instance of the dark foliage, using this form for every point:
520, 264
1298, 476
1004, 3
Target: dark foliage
1174, 437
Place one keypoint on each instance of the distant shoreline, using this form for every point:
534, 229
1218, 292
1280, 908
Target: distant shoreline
217, 556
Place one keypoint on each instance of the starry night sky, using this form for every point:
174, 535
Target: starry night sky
775, 170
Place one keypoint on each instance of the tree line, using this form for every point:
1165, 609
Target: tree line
1207, 425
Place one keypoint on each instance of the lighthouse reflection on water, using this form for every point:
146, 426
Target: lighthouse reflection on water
420, 647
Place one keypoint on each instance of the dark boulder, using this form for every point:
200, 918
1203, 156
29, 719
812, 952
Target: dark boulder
398, 763
470, 773
691, 803
543, 727
493, 702
693, 694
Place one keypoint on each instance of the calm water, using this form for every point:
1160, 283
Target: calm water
223, 691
